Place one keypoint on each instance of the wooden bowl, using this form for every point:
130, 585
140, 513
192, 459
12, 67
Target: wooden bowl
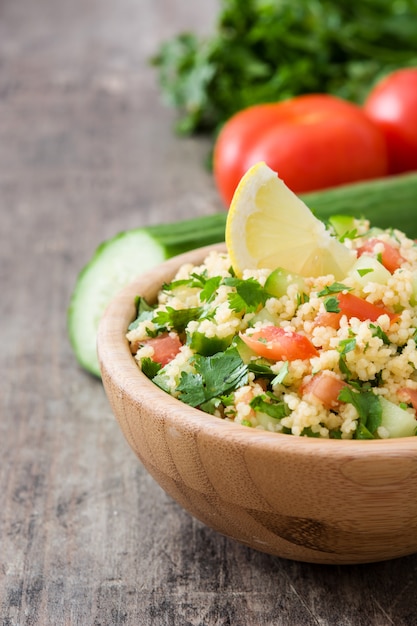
319, 501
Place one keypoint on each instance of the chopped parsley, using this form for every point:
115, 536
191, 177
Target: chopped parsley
281, 376
249, 295
332, 305
144, 311
349, 234
347, 345
210, 288
309, 432
215, 376
378, 332
333, 288
369, 411
266, 403
176, 319
260, 369
149, 367
344, 368
364, 271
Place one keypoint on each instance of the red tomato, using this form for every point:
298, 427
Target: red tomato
409, 395
328, 319
390, 256
280, 344
229, 158
392, 105
353, 306
312, 141
165, 347
325, 388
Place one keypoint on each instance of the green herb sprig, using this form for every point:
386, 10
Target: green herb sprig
265, 51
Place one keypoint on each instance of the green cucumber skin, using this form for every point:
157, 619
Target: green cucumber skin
389, 202
167, 240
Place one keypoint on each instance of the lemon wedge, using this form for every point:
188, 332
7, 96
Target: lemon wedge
268, 226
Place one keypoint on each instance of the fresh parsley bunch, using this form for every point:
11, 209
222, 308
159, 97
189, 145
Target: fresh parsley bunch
265, 51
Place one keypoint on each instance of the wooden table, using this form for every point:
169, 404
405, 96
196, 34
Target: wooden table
87, 537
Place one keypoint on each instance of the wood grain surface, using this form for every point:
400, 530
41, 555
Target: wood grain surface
87, 536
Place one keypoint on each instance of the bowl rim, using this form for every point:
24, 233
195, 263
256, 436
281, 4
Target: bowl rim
118, 365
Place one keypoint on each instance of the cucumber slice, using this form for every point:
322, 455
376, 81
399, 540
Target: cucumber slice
263, 316
279, 280
245, 353
113, 265
367, 269
119, 260
397, 421
342, 224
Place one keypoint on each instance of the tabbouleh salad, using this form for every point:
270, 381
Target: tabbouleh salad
304, 356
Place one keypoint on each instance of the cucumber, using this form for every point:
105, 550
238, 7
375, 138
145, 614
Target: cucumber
279, 280
388, 202
367, 269
245, 353
397, 421
116, 262
342, 224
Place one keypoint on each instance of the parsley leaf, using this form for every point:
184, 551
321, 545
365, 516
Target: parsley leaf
195, 281
378, 332
215, 376
332, 305
162, 381
174, 284
276, 409
144, 311
308, 432
211, 405
149, 367
344, 368
364, 271
261, 48
222, 372
260, 369
210, 288
176, 319
191, 388
369, 410
249, 296
347, 345
349, 234
333, 288
281, 376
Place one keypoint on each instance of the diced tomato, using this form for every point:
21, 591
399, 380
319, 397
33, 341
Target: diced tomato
165, 347
409, 395
325, 387
328, 319
390, 257
353, 306
280, 344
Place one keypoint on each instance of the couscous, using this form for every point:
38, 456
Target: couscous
291, 354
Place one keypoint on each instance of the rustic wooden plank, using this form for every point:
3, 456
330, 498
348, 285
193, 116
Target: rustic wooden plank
86, 150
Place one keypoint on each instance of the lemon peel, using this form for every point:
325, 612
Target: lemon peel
269, 226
